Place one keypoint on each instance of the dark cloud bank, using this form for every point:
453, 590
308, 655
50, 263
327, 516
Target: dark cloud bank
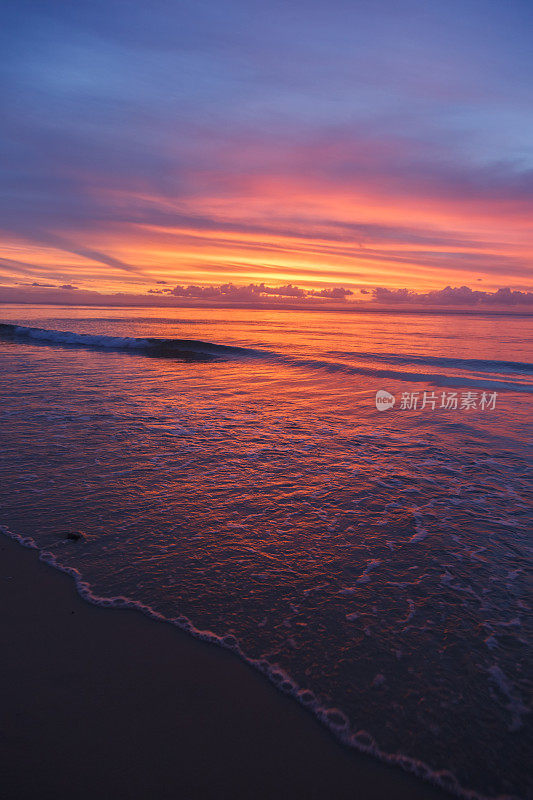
450, 296
262, 296
454, 296
254, 291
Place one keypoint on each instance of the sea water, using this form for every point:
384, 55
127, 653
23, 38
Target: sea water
229, 471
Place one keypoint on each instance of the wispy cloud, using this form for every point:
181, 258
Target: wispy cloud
310, 144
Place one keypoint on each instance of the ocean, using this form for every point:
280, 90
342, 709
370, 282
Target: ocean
228, 470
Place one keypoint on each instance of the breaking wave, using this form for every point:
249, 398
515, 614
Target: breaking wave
173, 348
500, 375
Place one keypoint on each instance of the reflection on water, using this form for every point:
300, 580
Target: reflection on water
377, 559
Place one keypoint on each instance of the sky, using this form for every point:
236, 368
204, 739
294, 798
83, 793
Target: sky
327, 144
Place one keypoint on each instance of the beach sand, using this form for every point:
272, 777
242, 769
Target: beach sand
107, 703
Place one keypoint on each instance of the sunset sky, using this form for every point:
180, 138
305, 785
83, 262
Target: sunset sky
320, 144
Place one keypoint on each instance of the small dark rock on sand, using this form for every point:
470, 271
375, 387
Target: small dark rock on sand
74, 536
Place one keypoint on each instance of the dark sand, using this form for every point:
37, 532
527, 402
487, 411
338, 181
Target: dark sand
106, 703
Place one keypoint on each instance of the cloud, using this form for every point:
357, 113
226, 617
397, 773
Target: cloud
14, 267
456, 296
337, 293
258, 295
229, 291
422, 142
257, 291
48, 285
289, 296
50, 239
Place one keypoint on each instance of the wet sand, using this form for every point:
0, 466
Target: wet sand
109, 704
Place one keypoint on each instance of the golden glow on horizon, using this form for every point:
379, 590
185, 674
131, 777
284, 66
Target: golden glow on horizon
282, 230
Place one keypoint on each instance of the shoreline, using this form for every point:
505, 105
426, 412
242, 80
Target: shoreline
100, 702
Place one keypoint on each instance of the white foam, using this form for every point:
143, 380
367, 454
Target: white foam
82, 339
333, 718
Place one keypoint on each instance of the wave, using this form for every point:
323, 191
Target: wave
198, 350
455, 381
481, 364
332, 718
172, 348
